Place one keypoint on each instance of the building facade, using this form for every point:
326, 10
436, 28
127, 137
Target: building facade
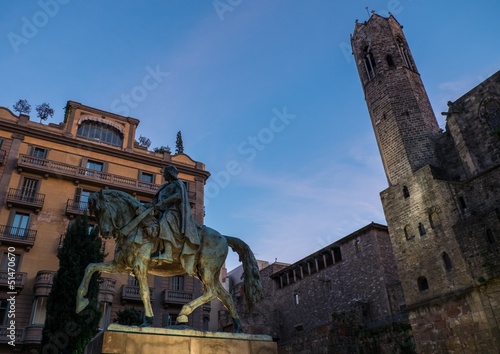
442, 204
332, 301
47, 173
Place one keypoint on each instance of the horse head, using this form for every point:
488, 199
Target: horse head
98, 207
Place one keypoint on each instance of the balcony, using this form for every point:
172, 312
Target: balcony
74, 208
76, 173
107, 289
16, 236
25, 199
19, 280
176, 297
5, 332
131, 293
43, 282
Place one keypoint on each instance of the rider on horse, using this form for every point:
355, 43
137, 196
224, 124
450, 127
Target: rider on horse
177, 228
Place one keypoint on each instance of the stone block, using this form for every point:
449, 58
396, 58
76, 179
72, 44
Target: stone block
135, 340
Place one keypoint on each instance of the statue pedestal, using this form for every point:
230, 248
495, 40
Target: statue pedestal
134, 340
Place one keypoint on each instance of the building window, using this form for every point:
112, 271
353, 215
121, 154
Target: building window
446, 261
103, 133
132, 280
357, 245
390, 61
490, 236
147, 177
82, 199
421, 229
19, 224
39, 152
409, 234
405, 55
29, 189
422, 283
434, 219
461, 203
369, 62
39, 311
94, 165
169, 319
490, 111
337, 255
406, 192
177, 283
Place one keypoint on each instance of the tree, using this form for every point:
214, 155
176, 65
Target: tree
179, 145
162, 149
22, 107
145, 142
66, 331
44, 111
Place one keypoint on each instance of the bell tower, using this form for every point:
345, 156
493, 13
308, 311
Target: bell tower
400, 111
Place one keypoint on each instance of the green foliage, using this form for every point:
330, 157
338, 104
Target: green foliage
64, 329
22, 106
162, 149
179, 145
44, 111
129, 317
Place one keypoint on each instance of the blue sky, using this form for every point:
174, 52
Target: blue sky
266, 94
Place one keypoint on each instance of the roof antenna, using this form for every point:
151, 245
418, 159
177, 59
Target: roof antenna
367, 11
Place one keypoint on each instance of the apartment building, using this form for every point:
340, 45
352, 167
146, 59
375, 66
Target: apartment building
47, 173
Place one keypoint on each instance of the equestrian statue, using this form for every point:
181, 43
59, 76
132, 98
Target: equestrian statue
163, 239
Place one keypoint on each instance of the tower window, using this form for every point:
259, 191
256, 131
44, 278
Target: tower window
390, 61
446, 261
369, 62
406, 192
422, 283
421, 229
461, 203
405, 55
409, 232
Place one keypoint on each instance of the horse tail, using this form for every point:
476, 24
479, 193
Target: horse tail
251, 275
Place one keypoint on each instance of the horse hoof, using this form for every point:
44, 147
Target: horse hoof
81, 305
148, 321
182, 320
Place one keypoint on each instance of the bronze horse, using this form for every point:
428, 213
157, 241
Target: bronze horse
117, 216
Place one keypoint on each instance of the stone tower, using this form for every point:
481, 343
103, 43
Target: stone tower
400, 111
442, 205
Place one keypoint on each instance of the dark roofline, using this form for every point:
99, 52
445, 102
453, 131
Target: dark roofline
343, 240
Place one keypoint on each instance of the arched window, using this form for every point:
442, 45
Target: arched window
421, 229
406, 192
422, 283
434, 219
390, 61
490, 111
98, 131
369, 62
409, 234
405, 55
446, 261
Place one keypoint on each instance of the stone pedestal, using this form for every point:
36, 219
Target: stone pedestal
134, 340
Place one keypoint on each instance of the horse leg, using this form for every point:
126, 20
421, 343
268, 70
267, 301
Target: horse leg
227, 301
187, 309
141, 274
106, 267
